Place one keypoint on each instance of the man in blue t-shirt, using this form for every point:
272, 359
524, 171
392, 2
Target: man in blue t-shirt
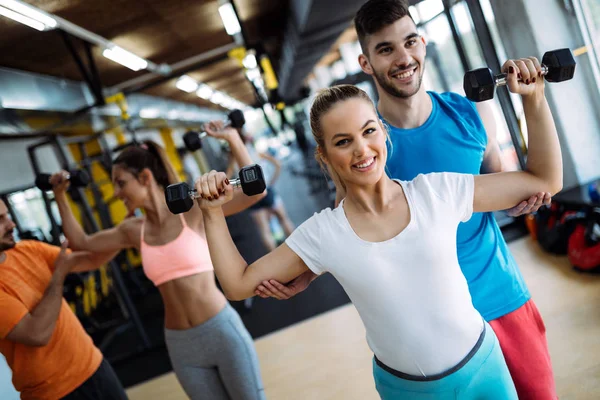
432, 132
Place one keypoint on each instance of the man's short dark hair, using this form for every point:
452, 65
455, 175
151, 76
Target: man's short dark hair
375, 15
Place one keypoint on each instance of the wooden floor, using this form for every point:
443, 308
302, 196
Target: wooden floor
327, 357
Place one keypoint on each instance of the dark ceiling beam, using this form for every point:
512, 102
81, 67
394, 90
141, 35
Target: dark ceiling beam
177, 69
173, 75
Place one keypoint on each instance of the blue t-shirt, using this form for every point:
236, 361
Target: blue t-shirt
453, 139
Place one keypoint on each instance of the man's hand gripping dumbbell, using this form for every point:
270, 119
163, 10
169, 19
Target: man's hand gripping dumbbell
214, 189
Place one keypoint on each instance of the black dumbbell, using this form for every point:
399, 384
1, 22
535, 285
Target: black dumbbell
180, 197
78, 178
557, 66
193, 139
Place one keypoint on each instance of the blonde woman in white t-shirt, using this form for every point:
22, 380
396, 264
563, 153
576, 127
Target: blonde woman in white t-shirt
391, 245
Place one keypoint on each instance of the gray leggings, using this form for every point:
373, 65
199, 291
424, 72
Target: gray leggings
216, 359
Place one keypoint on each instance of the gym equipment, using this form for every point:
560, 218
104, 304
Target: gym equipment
554, 227
78, 178
193, 139
557, 66
180, 197
584, 244
531, 225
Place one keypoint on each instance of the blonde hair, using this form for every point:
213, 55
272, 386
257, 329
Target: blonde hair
323, 102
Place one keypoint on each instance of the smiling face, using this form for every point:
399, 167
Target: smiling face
354, 142
7, 228
395, 57
129, 188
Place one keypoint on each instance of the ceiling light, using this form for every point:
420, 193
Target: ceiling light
253, 74
229, 102
232, 25
250, 61
204, 91
188, 115
27, 13
22, 19
186, 84
173, 114
125, 58
217, 98
149, 113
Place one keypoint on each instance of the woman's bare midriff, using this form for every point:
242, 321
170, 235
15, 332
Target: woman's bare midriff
191, 300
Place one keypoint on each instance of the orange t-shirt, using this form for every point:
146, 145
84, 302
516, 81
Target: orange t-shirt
70, 358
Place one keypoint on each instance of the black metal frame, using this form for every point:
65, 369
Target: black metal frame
35, 165
268, 121
91, 76
237, 14
434, 55
464, 60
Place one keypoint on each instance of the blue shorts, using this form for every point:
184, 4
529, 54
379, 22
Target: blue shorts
483, 374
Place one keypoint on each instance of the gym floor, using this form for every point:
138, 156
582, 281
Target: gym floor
319, 357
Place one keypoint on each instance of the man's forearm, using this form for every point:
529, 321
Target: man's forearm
45, 314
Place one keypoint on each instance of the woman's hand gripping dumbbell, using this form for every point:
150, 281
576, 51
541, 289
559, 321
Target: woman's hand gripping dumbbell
216, 129
556, 66
214, 189
78, 178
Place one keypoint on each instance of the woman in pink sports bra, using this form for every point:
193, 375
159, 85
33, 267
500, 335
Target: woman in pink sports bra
211, 351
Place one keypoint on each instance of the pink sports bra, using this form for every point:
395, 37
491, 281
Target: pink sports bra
186, 255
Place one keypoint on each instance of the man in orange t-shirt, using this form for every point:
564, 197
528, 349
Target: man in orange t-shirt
49, 352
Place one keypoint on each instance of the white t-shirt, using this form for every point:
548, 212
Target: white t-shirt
409, 290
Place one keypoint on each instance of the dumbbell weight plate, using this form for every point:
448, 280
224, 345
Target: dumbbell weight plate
479, 84
178, 198
79, 178
237, 119
192, 141
252, 180
561, 65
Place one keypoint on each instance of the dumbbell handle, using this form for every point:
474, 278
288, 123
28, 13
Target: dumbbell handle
236, 183
50, 176
501, 79
203, 134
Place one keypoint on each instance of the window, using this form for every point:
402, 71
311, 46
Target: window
588, 14
473, 51
30, 212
